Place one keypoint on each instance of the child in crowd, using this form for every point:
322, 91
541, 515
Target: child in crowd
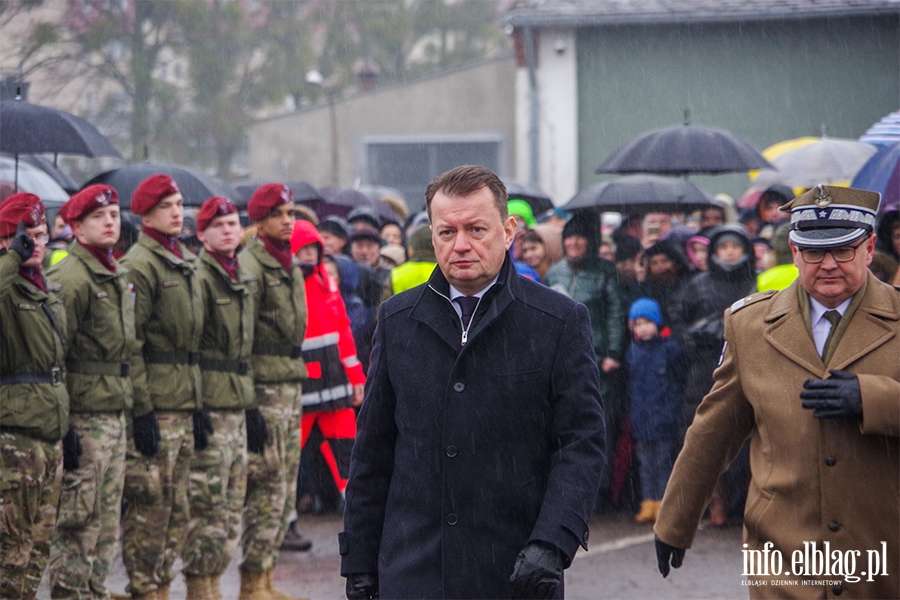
657, 367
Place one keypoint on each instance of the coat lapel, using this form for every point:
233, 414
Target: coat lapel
868, 330
788, 333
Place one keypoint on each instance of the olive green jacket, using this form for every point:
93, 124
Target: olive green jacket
227, 341
168, 322
33, 327
280, 316
99, 331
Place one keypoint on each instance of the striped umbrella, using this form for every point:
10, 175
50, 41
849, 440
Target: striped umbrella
884, 132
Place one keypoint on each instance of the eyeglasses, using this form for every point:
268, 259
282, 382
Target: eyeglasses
814, 256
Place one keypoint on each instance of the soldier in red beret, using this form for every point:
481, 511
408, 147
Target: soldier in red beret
278, 370
168, 422
34, 404
100, 334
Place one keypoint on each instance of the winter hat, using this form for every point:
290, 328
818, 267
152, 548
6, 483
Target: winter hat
88, 199
364, 215
266, 197
366, 233
23, 207
212, 208
396, 254
522, 209
587, 225
670, 249
646, 308
151, 191
627, 247
334, 225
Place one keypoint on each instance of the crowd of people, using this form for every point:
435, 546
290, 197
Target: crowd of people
196, 383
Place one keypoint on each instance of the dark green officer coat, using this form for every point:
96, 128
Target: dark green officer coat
281, 316
99, 331
32, 344
168, 320
227, 342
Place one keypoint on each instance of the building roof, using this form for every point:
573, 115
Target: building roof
573, 13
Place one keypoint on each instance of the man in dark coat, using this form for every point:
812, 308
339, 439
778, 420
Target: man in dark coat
480, 439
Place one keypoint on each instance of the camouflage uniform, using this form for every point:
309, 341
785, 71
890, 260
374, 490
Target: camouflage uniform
218, 480
100, 331
34, 415
166, 373
277, 374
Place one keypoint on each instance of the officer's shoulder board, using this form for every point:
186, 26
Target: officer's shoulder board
751, 299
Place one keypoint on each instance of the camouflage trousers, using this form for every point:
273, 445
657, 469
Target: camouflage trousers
218, 484
156, 505
272, 477
90, 504
30, 473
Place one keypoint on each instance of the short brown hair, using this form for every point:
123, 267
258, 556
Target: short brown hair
466, 180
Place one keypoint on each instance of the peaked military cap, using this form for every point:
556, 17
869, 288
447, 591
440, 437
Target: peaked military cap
828, 216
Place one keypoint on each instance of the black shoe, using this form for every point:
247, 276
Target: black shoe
294, 542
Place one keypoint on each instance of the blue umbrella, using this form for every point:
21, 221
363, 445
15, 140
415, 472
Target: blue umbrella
882, 174
885, 132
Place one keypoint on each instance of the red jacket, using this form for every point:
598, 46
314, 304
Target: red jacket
328, 348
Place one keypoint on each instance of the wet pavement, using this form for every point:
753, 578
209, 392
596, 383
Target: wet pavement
620, 565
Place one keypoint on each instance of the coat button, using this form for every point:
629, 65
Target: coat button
584, 537
452, 451
837, 590
459, 386
452, 519
830, 461
834, 526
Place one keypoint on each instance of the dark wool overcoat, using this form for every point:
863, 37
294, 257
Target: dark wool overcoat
466, 453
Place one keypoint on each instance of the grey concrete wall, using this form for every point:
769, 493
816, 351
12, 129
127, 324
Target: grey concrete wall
477, 100
766, 81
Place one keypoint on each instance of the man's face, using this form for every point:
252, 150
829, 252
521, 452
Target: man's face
99, 228
365, 251
39, 236
223, 234
660, 265
575, 246
279, 223
333, 244
470, 238
769, 212
831, 282
58, 225
167, 216
712, 217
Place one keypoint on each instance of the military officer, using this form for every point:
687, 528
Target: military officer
100, 334
166, 373
810, 374
34, 404
278, 371
218, 481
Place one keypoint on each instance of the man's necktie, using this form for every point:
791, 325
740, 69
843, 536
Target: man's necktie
833, 317
467, 304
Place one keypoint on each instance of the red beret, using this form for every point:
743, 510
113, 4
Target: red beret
266, 197
23, 207
151, 191
85, 201
216, 206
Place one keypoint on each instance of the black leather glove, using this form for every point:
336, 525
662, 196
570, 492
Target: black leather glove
22, 243
71, 450
257, 432
146, 434
837, 397
203, 428
362, 586
666, 554
537, 572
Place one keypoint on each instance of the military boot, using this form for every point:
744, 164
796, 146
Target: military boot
275, 593
198, 588
253, 586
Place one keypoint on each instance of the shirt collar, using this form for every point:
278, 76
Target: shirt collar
816, 310
455, 293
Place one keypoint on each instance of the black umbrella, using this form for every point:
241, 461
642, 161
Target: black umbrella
685, 149
32, 129
303, 192
537, 198
641, 194
196, 188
